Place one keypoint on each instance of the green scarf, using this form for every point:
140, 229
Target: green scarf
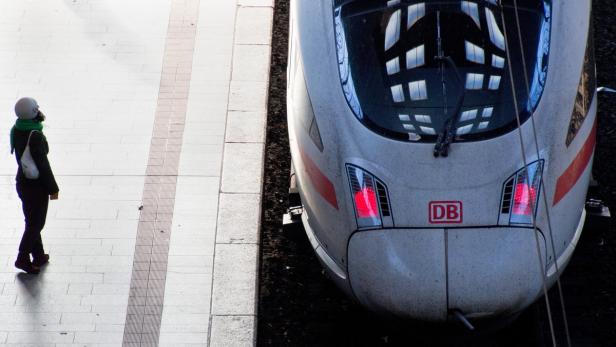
25, 125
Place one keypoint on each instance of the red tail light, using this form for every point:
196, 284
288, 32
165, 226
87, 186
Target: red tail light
365, 192
366, 203
523, 200
521, 193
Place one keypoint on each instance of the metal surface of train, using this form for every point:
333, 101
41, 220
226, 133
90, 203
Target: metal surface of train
442, 149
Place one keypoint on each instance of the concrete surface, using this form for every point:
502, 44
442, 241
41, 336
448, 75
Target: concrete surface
156, 119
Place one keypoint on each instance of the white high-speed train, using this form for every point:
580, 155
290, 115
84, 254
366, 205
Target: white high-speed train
442, 149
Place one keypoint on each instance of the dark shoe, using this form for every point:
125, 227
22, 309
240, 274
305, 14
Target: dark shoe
39, 261
27, 266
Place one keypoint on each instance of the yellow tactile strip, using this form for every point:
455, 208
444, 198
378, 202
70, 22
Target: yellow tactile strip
147, 286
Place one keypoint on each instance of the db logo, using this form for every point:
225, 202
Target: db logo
445, 212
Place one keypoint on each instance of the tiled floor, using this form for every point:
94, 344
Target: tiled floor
138, 116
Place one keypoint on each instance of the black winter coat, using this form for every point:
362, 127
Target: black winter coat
39, 148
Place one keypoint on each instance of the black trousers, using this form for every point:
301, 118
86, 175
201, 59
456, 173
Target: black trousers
34, 201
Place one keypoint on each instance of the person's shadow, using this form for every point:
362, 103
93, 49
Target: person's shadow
30, 292
30, 284
30, 287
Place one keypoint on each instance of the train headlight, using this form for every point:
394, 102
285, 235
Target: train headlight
526, 185
370, 200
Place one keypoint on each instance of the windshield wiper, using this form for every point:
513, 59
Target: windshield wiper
447, 135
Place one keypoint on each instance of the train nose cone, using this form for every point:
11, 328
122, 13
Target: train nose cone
494, 271
400, 272
426, 273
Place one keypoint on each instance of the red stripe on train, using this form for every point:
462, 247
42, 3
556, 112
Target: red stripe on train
320, 182
569, 178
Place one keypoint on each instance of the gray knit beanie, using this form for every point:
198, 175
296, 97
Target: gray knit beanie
26, 108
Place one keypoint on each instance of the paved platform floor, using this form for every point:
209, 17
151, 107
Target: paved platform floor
156, 122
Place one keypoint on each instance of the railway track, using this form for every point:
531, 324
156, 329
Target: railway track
299, 306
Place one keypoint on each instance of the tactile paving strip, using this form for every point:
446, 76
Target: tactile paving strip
147, 287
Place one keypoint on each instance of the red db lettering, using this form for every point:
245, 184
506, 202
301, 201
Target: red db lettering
445, 212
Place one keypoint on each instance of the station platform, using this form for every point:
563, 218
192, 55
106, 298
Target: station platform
156, 116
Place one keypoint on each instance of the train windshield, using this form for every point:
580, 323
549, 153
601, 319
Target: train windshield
407, 66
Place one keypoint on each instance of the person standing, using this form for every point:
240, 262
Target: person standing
34, 193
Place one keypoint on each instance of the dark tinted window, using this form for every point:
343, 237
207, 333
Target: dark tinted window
396, 85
